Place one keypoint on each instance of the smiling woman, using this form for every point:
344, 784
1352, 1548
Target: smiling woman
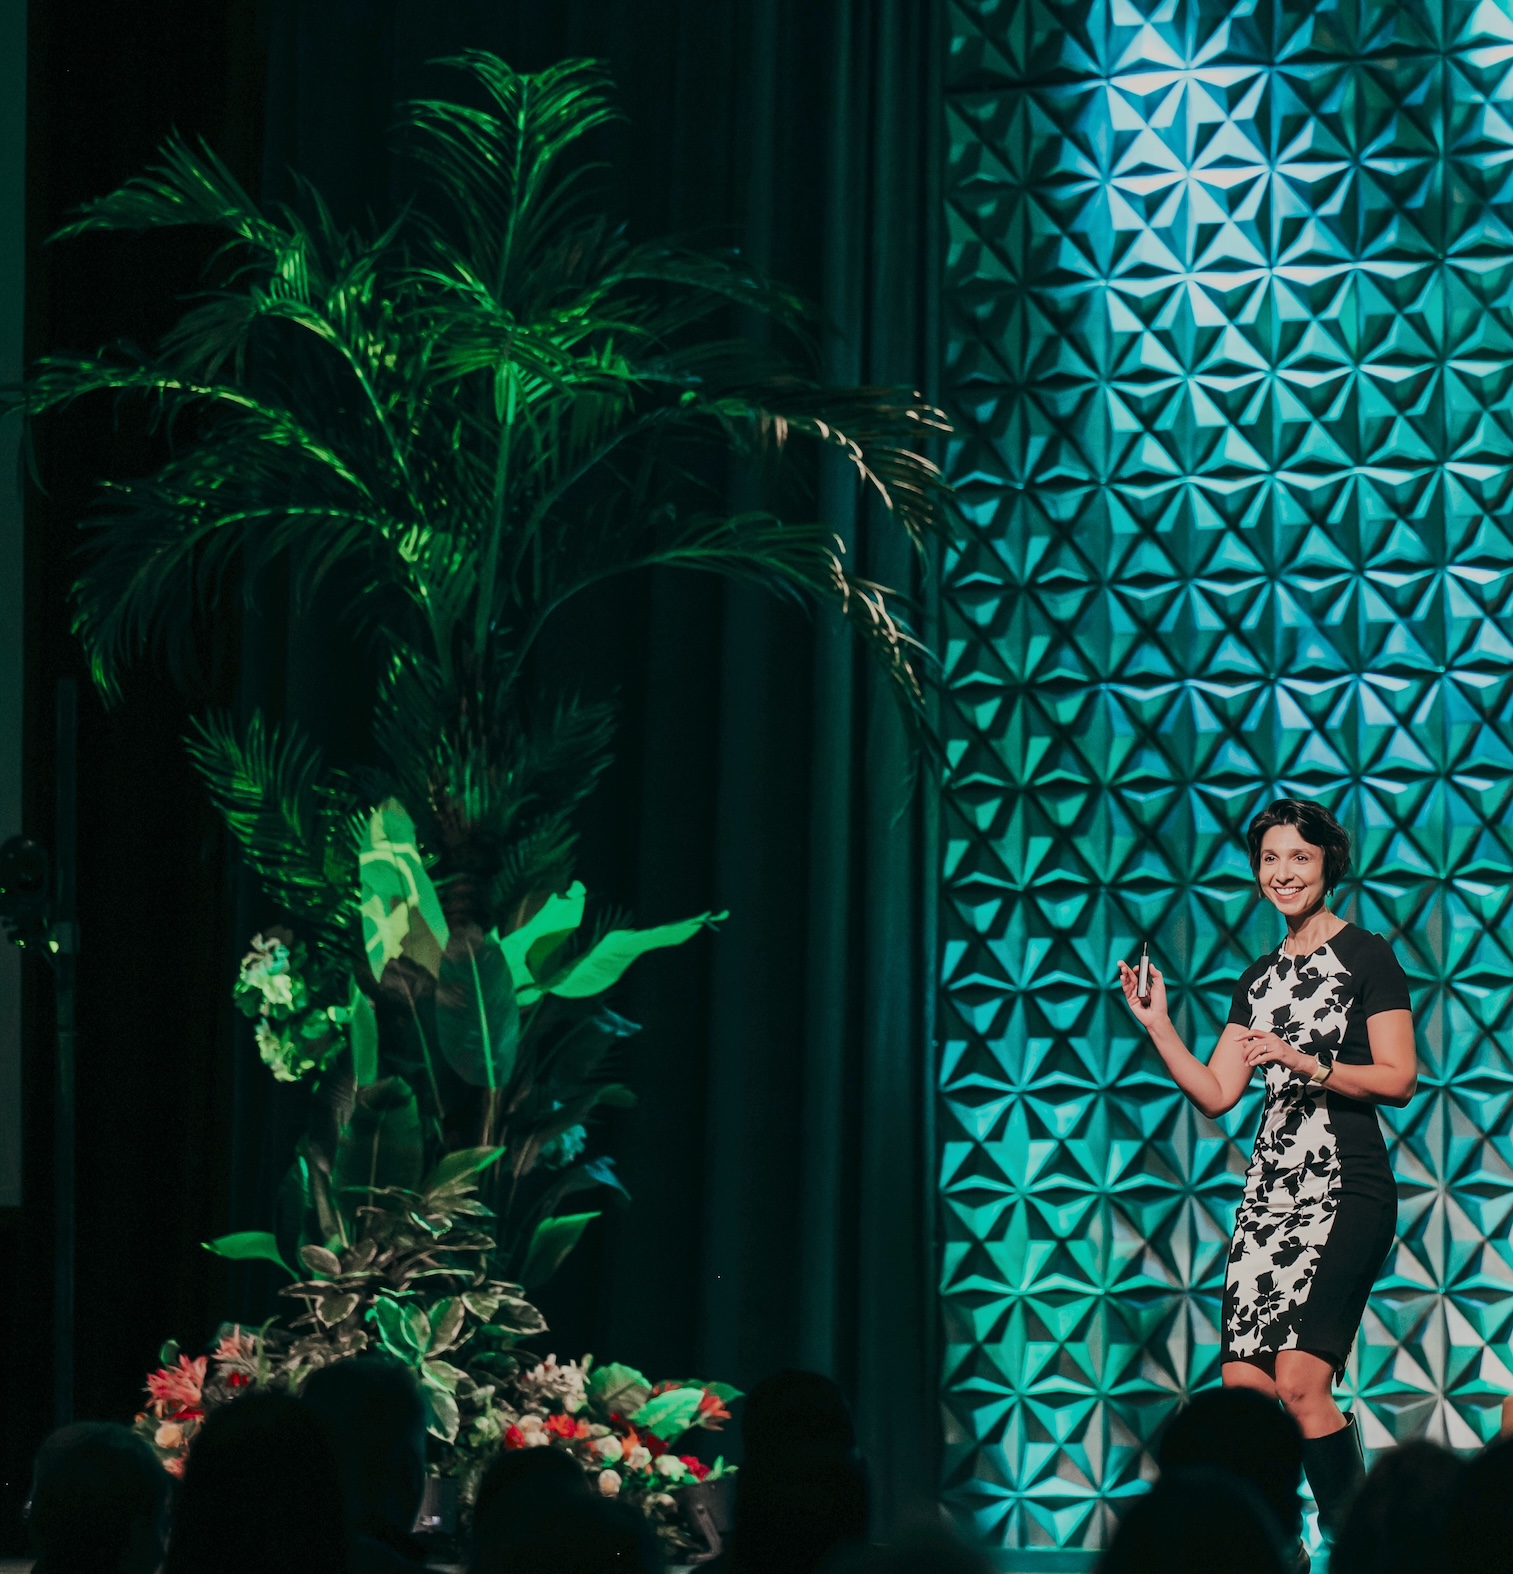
1326, 1017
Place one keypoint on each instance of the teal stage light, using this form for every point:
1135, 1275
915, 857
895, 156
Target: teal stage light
1228, 340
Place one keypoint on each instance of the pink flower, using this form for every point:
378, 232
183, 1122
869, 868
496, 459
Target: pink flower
236, 1348
176, 1390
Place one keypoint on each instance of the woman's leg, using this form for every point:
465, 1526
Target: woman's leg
1304, 1384
1256, 1373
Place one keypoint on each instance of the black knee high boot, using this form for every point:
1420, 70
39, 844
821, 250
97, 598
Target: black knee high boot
1335, 1467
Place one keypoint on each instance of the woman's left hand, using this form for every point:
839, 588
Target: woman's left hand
1266, 1049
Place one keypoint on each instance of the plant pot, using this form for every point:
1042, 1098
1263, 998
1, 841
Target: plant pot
708, 1509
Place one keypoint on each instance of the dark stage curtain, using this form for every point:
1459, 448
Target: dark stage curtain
779, 1157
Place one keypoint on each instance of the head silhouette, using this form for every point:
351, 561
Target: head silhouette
1481, 1519
1239, 1430
98, 1503
583, 1534
262, 1491
1400, 1514
1195, 1521
795, 1408
372, 1408
522, 1491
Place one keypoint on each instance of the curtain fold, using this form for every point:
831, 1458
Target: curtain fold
779, 1157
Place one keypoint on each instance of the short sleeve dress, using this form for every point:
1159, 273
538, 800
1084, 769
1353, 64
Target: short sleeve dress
1320, 1205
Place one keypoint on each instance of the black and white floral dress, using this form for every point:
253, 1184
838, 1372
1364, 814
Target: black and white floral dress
1320, 1206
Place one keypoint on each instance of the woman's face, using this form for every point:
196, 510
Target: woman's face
1291, 871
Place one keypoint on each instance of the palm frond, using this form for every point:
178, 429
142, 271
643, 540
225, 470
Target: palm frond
186, 187
500, 169
295, 822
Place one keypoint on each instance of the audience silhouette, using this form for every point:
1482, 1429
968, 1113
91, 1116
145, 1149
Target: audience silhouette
1239, 1430
1198, 1520
330, 1483
372, 1409
1481, 1517
581, 1534
522, 1490
98, 1502
262, 1494
802, 1494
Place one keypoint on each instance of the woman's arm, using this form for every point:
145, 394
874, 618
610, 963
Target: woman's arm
1391, 1078
1213, 1088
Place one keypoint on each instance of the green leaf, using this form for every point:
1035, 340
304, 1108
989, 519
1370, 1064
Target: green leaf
249, 1246
557, 918
441, 1407
363, 1035
321, 1263
455, 1170
552, 1241
477, 1017
618, 1389
417, 1323
168, 1352
668, 1414
597, 969
401, 912
446, 1324
724, 1392
395, 1330
381, 1145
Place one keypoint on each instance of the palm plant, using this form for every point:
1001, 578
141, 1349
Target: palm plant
457, 422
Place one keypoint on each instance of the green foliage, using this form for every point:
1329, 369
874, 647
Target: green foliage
553, 1240
453, 426
248, 1246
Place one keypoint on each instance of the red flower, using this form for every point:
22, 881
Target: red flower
566, 1427
176, 1390
237, 1379
656, 1445
711, 1410
696, 1467
513, 1436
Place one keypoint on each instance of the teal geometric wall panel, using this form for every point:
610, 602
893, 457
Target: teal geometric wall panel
1230, 357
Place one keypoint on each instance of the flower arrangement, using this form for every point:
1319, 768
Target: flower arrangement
620, 1427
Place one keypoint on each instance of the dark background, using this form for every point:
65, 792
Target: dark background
778, 1159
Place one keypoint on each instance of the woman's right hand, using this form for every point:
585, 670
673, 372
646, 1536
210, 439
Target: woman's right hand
1153, 1014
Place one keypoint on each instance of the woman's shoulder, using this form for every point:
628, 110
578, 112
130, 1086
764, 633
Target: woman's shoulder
1363, 950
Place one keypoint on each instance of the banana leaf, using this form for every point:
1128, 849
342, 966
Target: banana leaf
557, 919
382, 1143
601, 966
362, 1034
666, 1415
618, 1388
552, 1241
455, 1170
477, 1017
251, 1246
401, 912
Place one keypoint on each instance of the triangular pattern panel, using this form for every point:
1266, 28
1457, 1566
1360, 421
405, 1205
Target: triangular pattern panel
1230, 357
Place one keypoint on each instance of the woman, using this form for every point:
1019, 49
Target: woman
1326, 1016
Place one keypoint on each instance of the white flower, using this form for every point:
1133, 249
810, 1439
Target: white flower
550, 1384
671, 1466
609, 1449
639, 1458
609, 1482
169, 1435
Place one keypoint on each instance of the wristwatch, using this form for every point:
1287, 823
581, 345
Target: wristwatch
1325, 1058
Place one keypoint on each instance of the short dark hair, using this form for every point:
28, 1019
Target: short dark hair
1315, 824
